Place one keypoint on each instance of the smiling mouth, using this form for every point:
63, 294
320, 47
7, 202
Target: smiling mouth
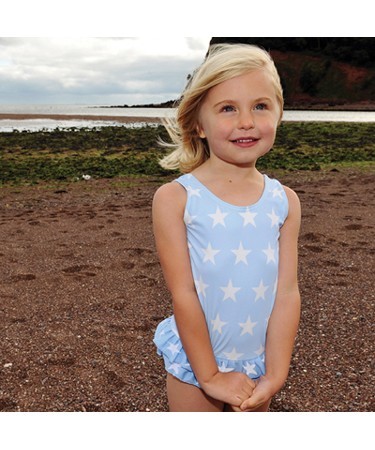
244, 140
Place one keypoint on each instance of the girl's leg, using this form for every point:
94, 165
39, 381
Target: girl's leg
184, 397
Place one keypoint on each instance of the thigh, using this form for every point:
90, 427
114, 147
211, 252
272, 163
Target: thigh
184, 397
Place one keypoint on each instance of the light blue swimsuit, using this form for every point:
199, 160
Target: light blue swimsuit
234, 253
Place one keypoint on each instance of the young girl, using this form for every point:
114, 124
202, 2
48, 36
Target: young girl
226, 236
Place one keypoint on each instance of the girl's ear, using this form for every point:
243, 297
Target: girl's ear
200, 132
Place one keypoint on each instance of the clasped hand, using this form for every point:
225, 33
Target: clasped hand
239, 391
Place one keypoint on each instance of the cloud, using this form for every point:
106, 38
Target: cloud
96, 70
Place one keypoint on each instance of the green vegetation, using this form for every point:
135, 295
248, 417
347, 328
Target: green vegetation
31, 157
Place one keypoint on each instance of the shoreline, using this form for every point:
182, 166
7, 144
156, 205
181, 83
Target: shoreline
121, 119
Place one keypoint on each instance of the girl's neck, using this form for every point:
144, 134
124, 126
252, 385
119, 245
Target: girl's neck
238, 186
228, 173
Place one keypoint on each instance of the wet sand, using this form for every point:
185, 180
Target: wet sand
120, 119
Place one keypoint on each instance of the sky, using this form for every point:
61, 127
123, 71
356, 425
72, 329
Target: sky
96, 71
75, 52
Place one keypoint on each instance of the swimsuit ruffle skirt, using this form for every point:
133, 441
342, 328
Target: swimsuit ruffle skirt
234, 260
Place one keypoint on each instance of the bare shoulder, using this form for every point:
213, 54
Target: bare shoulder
293, 198
171, 195
294, 210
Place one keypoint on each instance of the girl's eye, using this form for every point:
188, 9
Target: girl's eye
260, 106
228, 108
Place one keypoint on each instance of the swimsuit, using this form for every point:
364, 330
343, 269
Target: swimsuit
234, 260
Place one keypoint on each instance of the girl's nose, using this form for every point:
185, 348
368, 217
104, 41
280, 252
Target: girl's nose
246, 121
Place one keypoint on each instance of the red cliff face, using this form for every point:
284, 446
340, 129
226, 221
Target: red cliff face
321, 72
310, 81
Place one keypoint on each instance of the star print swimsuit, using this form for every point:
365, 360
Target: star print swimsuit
234, 260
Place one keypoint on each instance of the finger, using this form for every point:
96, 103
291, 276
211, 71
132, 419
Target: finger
250, 385
252, 382
236, 408
252, 403
248, 389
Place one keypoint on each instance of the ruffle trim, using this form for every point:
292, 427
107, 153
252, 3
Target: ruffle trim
176, 363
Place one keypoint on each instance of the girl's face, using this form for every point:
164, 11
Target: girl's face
239, 118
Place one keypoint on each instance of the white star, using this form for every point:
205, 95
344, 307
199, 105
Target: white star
249, 369
260, 291
270, 253
247, 327
277, 193
173, 348
224, 369
218, 324
201, 286
218, 217
260, 350
209, 253
233, 355
248, 217
192, 192
241, 254
188, 219
175, 367
230, 291
274, 218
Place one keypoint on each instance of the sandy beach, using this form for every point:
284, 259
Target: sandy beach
82, 292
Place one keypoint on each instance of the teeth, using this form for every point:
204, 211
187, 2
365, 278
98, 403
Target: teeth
245, 140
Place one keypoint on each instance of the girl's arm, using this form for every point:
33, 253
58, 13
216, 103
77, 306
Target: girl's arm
284, 320
171, 243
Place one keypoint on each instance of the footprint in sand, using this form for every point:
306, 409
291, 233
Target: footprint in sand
23, 277
353, 226
114, 379
63, 361
146, 281
82, 270
312, 237
314, 248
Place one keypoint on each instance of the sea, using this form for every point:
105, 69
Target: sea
38, 124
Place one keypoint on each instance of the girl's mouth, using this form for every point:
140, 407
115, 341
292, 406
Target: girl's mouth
244, 141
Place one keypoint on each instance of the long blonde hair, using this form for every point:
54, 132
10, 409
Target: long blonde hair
223, 62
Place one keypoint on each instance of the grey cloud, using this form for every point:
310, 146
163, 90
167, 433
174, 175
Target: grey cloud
95, 69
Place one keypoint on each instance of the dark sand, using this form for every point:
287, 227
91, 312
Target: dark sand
81, 292
121, 119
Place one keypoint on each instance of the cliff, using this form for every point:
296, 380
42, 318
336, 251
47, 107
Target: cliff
322, 73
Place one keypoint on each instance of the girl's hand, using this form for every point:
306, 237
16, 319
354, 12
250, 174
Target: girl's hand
262, 393
232, 388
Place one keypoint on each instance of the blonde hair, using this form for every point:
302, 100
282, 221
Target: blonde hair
223, 62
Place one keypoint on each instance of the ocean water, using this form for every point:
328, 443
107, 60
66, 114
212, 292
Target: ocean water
87, 110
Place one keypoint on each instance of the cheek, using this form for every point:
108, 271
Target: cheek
270, 128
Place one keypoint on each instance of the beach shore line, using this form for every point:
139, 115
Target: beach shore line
121, 119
